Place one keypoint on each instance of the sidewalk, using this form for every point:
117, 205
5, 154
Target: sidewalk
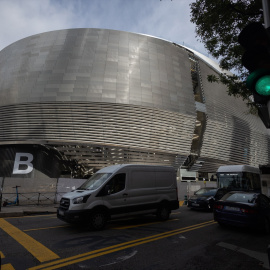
24, 210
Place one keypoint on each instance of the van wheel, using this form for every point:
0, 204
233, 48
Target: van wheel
163, 212
98, 220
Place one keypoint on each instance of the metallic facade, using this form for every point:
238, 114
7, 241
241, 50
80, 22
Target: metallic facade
101, 97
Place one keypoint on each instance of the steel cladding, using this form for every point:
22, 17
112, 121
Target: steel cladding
101, 97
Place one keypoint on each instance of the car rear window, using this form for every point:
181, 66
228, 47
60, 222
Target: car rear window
240, 197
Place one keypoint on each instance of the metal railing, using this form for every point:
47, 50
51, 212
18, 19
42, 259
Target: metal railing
33, 198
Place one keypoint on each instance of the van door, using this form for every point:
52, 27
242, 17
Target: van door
116, 198
142, 191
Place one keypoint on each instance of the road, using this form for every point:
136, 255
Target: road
189, 240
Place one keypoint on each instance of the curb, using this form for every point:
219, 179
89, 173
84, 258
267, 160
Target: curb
14, 214
40, 212
26, 213
25, 210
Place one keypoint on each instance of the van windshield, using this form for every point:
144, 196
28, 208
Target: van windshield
95, 181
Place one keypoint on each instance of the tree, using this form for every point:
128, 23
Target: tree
218, 24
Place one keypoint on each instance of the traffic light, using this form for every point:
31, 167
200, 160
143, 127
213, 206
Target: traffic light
256, 41
256, 58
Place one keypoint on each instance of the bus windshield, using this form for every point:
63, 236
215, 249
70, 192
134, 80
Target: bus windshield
239, 181
229, 180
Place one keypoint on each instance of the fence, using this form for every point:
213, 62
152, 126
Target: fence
33, 198
36, 191
52, 195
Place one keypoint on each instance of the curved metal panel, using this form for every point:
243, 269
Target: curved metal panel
96, 65
99, 123
233, 135
136, 98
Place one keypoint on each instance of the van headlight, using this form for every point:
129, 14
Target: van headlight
79, 200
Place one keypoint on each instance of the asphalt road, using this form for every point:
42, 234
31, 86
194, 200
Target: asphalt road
189, 240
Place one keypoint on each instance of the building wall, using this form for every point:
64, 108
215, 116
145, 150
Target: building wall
93, 88
100, 97
232, 134
97, 65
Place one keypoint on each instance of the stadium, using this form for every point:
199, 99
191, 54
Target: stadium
73, 101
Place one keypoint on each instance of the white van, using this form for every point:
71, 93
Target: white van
121, 191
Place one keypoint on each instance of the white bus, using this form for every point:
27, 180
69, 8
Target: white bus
239, 177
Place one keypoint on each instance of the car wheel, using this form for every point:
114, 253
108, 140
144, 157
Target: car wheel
98, 220
266, 226
163, 212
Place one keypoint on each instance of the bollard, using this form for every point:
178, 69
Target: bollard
185, 200
38, 198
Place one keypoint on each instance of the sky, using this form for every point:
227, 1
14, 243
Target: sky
166, 19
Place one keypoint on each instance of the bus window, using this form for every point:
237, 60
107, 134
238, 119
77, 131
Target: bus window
253, 181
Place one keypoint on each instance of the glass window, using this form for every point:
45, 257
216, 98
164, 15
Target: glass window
206, 192
117, 183
239, 181
95, 181
252, 181
229, 180
241, 197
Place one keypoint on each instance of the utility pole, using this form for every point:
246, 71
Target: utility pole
266, 18
266, 13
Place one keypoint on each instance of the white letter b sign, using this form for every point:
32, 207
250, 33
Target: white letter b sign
25, 163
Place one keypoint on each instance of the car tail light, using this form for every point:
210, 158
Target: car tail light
218, 206
248, 211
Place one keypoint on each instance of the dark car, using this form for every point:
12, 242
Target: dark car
243, 209
202, 199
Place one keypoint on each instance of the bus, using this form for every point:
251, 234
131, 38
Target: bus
238, 177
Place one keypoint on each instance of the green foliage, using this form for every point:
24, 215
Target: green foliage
218, 24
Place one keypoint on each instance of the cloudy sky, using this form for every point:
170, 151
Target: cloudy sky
167, 19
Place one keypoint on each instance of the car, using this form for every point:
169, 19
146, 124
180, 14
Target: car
243, 209
202, 199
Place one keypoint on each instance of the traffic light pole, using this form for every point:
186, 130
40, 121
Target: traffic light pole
266, 18
266, 13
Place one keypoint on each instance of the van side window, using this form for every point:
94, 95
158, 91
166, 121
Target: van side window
117, 183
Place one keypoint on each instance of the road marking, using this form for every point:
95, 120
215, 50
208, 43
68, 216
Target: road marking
140, 225
39, 251
175, 213
103, 251
28, 230
7, 266
121, 259
2, 255
181, 203
116, 228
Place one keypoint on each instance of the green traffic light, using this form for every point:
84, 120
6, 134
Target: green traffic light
259, 81
262, 86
